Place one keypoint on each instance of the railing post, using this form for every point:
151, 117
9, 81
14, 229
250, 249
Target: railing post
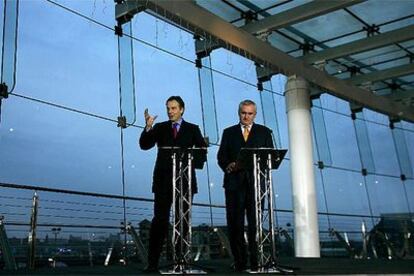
32, 233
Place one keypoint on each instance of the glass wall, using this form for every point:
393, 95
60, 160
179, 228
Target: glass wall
59, 133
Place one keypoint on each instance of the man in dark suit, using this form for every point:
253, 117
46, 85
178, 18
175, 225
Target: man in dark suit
174, 132
239, 182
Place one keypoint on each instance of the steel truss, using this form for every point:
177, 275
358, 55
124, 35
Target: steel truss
182, 164
264, 160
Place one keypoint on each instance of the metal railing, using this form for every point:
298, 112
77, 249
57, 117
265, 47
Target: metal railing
66, 231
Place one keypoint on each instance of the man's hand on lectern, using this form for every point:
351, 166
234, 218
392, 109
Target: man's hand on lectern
231, 167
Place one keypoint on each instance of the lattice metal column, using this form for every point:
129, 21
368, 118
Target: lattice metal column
264, 160
182, 164
302, 169
263, 194
182, 198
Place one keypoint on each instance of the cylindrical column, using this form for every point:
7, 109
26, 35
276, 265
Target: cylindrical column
302, 170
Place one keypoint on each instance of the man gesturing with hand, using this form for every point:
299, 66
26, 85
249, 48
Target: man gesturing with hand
176, 132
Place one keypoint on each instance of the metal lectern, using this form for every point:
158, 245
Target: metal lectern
263, 161
183, 162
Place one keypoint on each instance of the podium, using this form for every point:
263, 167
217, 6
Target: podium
262, 161
183, 162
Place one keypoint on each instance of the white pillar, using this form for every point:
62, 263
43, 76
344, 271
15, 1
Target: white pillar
302, 169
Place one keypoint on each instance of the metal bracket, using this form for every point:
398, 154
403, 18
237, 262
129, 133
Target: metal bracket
118, 30
364, 172
122, 122
355, 108
321, 165
4, 94
203, 47
371, 30
264, 73
307, 47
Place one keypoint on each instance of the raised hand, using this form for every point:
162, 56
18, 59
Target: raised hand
149, 120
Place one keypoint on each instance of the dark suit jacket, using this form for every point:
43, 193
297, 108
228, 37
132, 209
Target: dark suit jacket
161, 134
231, 142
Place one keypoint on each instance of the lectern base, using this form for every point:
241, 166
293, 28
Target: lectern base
271, 270
182, 271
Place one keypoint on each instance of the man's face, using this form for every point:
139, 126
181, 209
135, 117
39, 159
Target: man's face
174, 111
247, 114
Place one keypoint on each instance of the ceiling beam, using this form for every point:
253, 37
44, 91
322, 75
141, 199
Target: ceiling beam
362, 45
291, 16
297, 14
187, 15
401, 95
380, 75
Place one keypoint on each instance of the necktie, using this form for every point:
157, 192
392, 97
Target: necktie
175, 130
245, 132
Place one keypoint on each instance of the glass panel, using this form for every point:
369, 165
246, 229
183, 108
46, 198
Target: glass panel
208, 102
329, 25
389, 188
281, 42
364, 145
139, 213
383, 150
79, 63
376, 117
138, 165
69, 227
126, 74
332, 103
350, 228
75, 210
216, 177
345, 192
382, 11
282, 187
232, 92
286, 234
278, 85
409, 136
163, 36
8, 65
1, 24
100, 11
234, 66
221, 9
408, 126
157, 83
320, 192
269, 112
342, 141
402, 150
409, 190
319, 130
52, 147
15, 205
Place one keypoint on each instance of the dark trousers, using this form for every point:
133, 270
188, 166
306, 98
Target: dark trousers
159, 226
239, 203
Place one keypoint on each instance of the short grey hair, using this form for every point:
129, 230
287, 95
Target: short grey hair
247, 102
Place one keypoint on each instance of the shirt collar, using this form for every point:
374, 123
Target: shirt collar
249, 126
179, 122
